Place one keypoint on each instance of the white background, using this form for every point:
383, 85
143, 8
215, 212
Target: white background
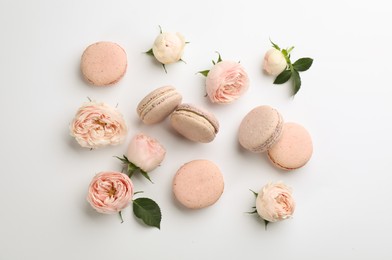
343, 194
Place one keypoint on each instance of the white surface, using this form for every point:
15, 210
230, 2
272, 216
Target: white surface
343, 194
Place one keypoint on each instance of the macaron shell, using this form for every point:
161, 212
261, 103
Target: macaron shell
198, 184
260, 129
103, 63
194, 123
158, 104
294, 148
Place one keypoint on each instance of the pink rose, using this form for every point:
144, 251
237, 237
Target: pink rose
226, 82
145, 152
275, 202
110, 192
97, 124
274, 62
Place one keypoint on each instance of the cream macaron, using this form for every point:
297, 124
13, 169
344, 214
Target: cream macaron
294, 148
194, 123
158, 104
198, 184
103, 63
260, 129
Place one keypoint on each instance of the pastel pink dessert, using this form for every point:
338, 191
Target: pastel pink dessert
103, 63
294, 148
198, 184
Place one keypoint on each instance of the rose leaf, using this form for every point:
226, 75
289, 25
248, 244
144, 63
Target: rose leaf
204, 72
147, 210
275, 45
266, 222
296, 81
303, 64
255, 193
150, 52
145, 175
283, 77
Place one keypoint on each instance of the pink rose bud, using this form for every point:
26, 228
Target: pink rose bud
145, 152
97, 125
274, 62
168, 47
226, 82
110, 192
275, 202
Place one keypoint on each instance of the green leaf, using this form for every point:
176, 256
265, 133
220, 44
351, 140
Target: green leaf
160, 29
266, 222
255, 193
290, 49
204, 72
303, 64
285, 53
219, 58
150, 52
275, 45
164, 67
296, 82
145, 175
283, 77
147, 210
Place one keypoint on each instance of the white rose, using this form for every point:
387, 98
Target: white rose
274, 62
168, 47
275, 202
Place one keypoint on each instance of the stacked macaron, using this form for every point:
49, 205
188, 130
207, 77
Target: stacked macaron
190, 121
288, 145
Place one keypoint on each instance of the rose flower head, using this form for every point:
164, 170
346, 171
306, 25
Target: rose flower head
274, 62
145, 154
275, 202
110, 192
97, 124
168, 48
226, 81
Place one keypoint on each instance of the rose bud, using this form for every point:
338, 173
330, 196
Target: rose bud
275, 202
110, 192
226, 82
96, 125
274, 62
168, 47
145, 152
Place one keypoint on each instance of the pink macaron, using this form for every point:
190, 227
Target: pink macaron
194, 123
198, 184
158, 104
260, 129
103, 63
294, 148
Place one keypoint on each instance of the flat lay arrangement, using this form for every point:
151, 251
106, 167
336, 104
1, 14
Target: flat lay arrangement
199, 183
195, 130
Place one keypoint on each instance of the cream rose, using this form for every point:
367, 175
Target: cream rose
110, 192
274, 62
145, 152
275, 202
226, 82
168, 47
96, 124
